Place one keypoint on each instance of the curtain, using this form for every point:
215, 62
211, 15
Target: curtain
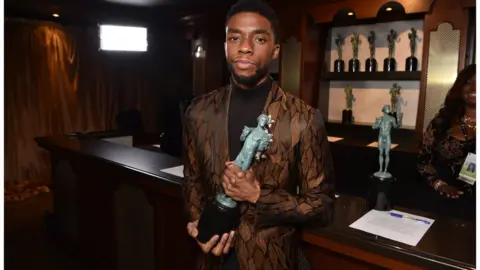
57, 81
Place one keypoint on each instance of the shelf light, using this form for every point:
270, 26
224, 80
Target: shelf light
55, 15
199, 51
388, 9
350, 14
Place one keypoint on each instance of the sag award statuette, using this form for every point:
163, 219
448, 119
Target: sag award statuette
389, 64
379, 192
411, 63
221, 214
339, 64
371, 63
354, 63
347, 115
396, 102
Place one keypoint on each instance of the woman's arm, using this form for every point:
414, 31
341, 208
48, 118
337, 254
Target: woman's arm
425, 158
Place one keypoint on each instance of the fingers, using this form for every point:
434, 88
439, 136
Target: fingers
226, 249
226, 182
218, 249
240, 174
230, 175
452, 193
192, 229
231, 191
249, 175
228, 186
230, 166
210, 244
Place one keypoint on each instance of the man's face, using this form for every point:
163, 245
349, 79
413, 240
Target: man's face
249, 47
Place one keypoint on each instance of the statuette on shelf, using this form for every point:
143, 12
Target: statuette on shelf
371, 62
411, 63
390, 64
354, 63
397, 102
347, 114
339, 64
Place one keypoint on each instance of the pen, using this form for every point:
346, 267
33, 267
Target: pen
407, 217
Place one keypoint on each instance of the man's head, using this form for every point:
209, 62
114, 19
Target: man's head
251, 41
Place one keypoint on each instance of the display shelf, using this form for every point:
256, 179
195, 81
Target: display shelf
368, 124
373, 76
361, 136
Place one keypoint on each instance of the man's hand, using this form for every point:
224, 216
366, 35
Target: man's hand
240, 185
219, 249
449, 191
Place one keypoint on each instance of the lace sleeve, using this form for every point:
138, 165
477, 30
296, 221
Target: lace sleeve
424, 164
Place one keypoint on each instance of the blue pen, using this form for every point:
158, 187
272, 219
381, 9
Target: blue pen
407, 217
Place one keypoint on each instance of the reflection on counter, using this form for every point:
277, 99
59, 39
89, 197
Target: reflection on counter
177, 171
375, 144
334, 139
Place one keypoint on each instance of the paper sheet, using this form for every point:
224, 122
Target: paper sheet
334, 139
177, 171
375, 144
406, 230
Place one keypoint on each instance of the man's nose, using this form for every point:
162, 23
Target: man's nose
246, 46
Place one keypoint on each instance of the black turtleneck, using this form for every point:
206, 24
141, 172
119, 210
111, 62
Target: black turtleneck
245, 106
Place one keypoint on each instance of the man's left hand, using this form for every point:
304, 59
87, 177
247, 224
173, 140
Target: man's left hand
240, 185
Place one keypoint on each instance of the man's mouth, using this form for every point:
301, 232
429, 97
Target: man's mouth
244, 63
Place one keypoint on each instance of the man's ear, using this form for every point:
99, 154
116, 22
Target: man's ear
276, 51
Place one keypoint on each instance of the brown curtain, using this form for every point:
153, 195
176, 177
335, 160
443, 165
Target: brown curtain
57, 81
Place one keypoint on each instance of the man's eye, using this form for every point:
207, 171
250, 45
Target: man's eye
261, 40
234, 38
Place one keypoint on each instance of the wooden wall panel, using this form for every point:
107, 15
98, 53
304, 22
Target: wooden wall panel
442, 11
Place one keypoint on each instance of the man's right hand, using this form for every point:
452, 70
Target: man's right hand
217, 248
449, 191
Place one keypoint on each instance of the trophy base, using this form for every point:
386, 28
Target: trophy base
380, 191
411, 64
347, 117
389, 64
354, 65
216, 219
371, 65
339, 66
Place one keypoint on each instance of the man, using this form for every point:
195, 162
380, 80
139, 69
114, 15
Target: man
298, 156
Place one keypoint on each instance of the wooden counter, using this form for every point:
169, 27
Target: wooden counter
115, 209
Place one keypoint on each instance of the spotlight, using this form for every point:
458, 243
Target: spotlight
350, 13
55, 15
389, 9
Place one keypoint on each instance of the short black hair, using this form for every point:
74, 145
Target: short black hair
259, 7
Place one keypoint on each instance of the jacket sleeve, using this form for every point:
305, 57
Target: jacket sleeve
192, 188
424, 164
315, 201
